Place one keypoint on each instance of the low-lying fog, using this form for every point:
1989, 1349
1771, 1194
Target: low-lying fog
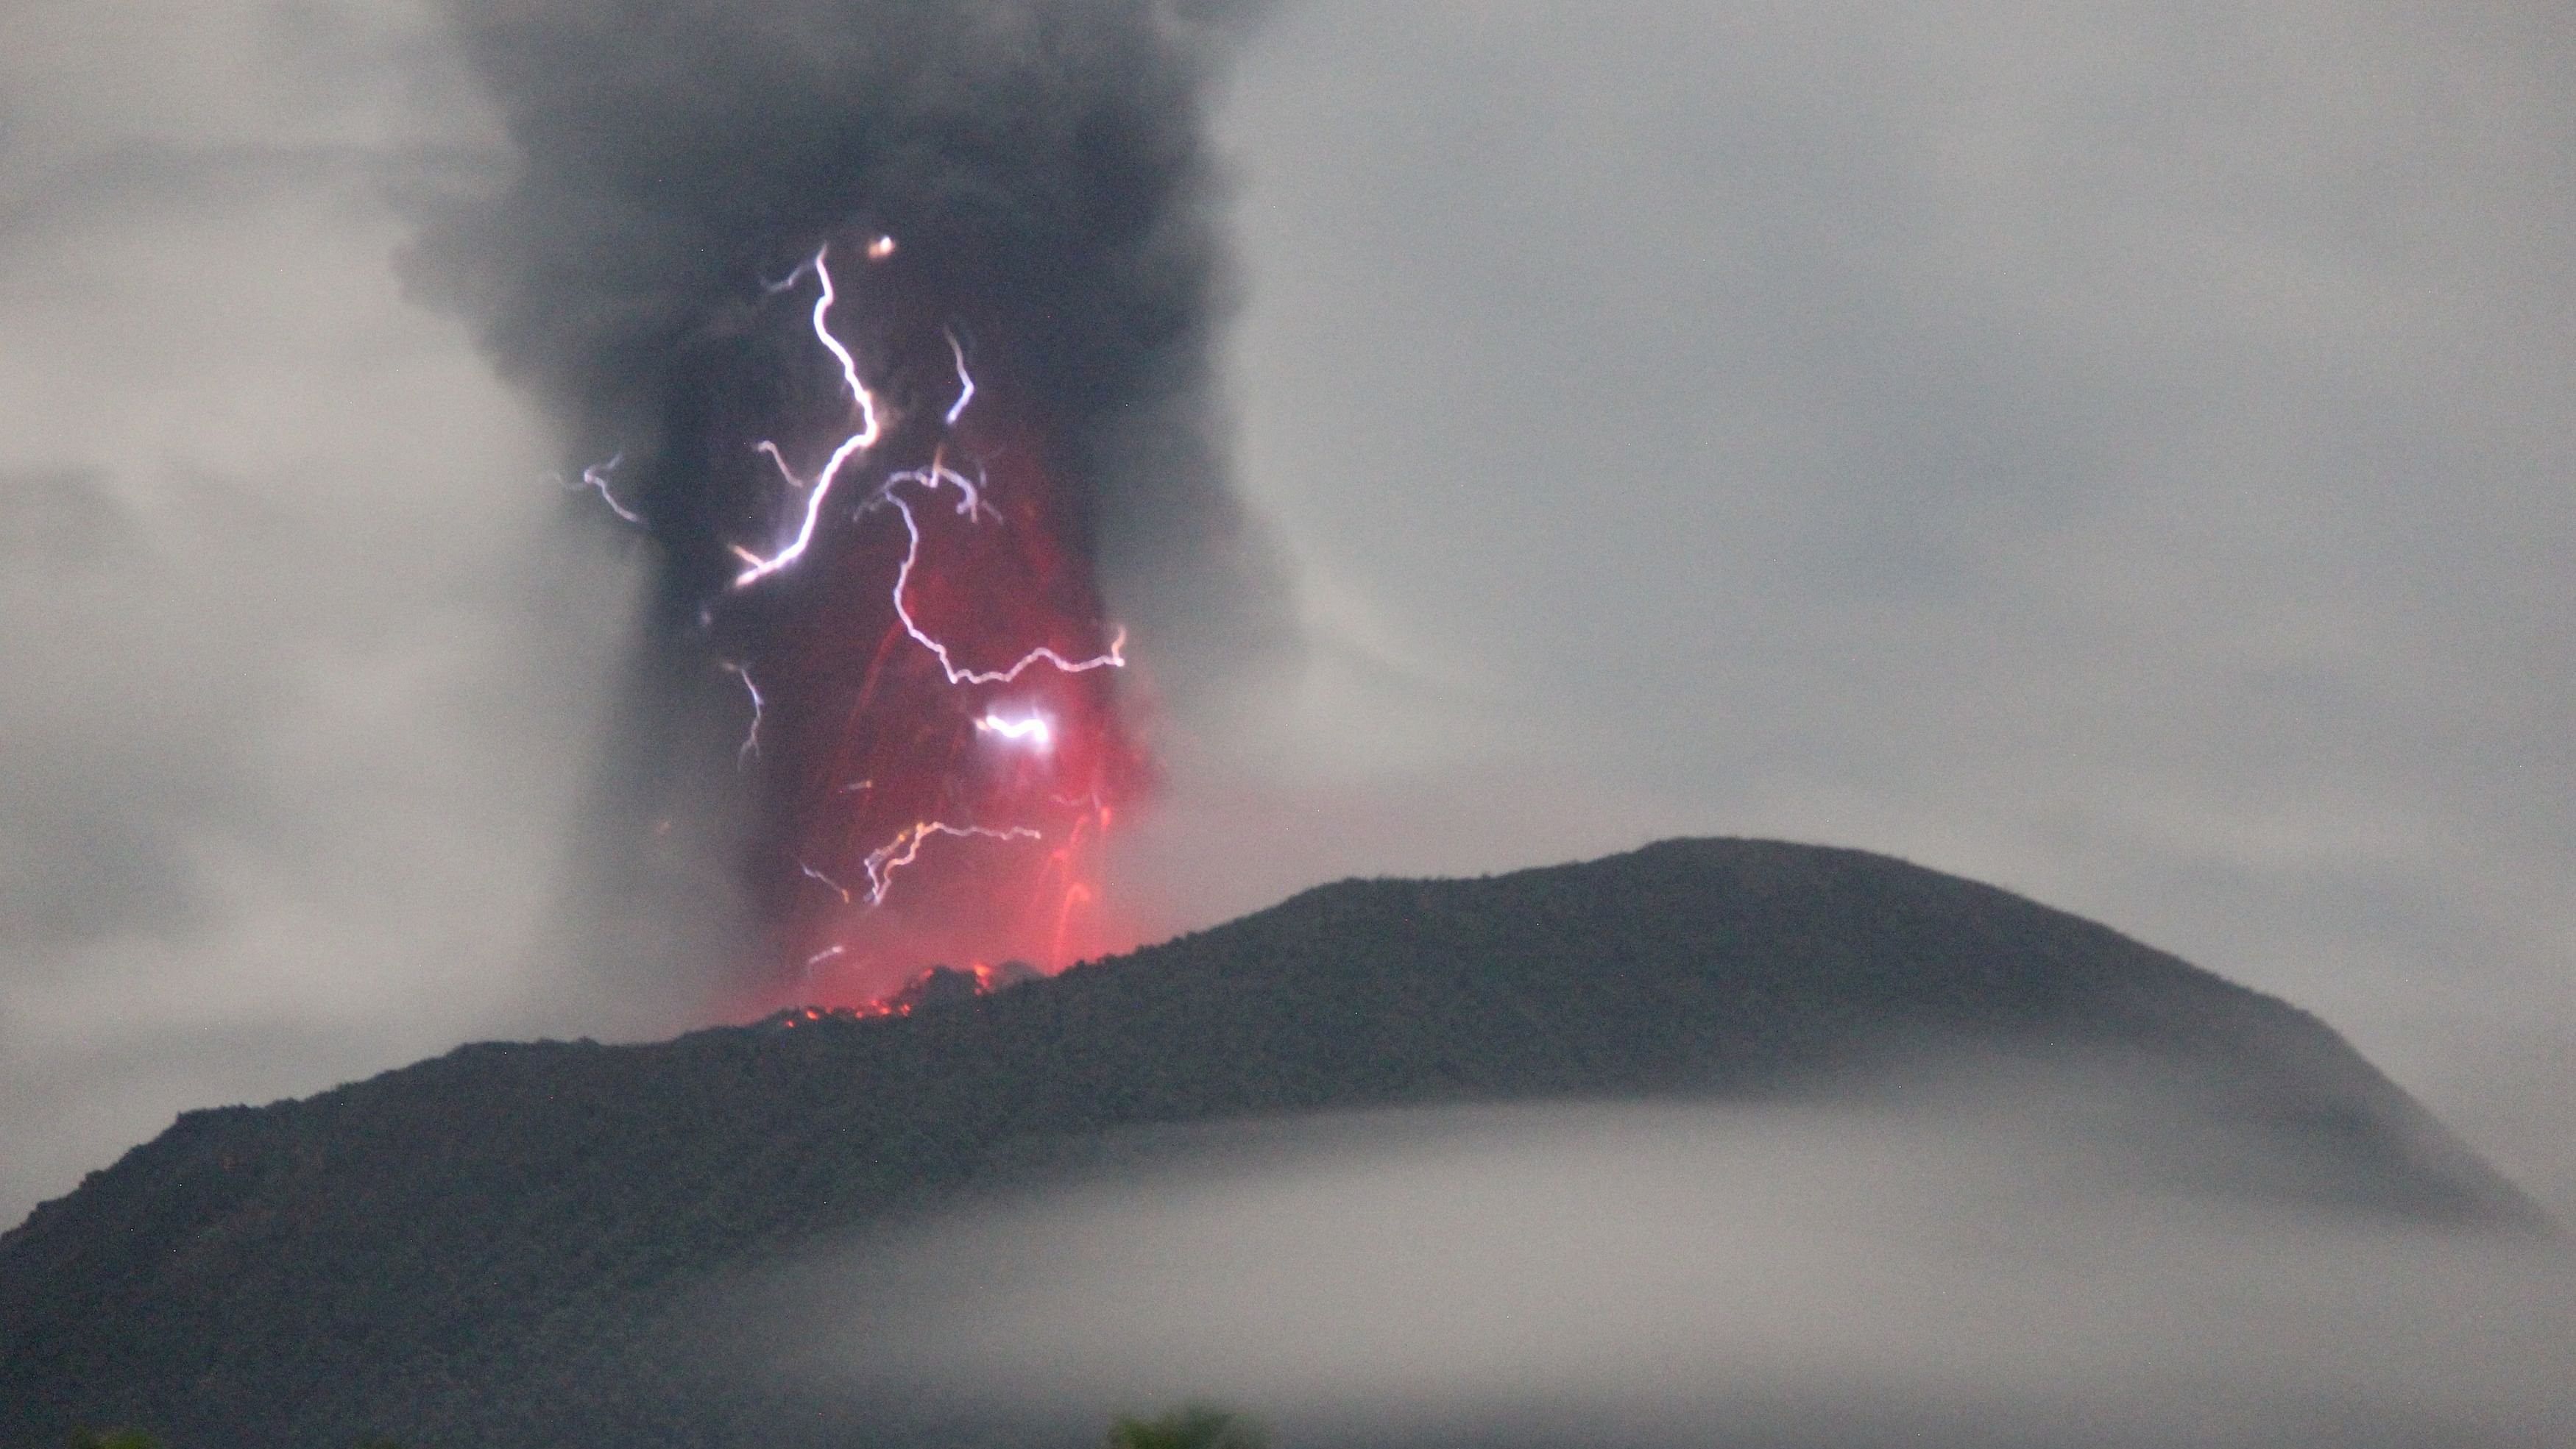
1971, 1266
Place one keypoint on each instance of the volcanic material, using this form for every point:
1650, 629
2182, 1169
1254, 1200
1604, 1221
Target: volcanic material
493, 1247
887, 323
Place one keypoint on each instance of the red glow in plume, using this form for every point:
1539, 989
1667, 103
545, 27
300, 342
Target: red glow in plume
932, 692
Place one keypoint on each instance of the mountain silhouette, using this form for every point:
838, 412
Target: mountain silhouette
477, 1250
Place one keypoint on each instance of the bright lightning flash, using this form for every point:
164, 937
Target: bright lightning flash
1032, 730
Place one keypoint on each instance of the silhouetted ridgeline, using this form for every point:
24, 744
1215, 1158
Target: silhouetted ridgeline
471, 1250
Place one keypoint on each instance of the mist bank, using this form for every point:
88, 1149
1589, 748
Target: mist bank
1999, 1258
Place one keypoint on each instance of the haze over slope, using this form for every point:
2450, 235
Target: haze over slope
497, 1247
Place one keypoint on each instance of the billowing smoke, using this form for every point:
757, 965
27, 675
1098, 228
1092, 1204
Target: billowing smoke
888, 323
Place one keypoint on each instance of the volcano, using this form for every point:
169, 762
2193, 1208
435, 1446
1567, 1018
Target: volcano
492, 1247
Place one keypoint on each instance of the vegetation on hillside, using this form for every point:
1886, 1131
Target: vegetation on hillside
1191, 1426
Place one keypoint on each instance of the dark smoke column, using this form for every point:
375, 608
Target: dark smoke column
894, 315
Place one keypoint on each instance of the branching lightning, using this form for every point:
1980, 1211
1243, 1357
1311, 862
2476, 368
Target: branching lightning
904, 849
595, 477
930, 478
870, 426
1019, 725
970, 503
1116, 658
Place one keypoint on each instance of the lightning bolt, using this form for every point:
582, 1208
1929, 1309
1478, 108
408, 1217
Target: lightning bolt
759, 708
1116, 658
904, 849
965, 382
825, 881
971, 503
856, 443
595, 477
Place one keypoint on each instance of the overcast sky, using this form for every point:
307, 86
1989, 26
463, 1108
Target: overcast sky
2121, 453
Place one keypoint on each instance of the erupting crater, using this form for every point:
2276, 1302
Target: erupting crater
932, 723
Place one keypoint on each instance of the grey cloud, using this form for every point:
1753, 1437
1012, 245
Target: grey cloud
139, 182
81, 861
59, 517
299, 673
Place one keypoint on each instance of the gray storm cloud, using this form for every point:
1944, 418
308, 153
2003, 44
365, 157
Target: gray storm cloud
1970, 1267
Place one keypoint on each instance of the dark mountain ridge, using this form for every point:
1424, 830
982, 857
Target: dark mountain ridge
476, 1249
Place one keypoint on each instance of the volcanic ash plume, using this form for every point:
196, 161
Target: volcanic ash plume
886, 322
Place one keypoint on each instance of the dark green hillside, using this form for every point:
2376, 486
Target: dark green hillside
456, 1252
